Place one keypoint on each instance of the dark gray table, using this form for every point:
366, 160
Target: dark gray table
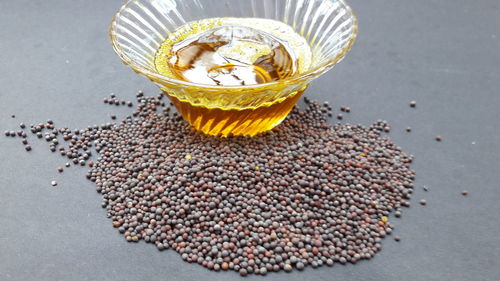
56, 62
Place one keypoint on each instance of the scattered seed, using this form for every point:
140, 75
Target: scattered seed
54, 183
28, 148
413, 104
397, 238
465, 192
439, 138
423, 202
13, 116
252, 205
425, 188
22, 125
408, 129
60, 169
340, 116
113, 117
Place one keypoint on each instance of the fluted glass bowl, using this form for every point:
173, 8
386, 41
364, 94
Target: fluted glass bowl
140, 26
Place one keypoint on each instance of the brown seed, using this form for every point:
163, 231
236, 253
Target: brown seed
234, 203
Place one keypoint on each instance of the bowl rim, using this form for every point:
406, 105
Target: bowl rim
308, 75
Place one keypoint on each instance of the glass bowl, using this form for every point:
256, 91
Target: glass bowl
141, 26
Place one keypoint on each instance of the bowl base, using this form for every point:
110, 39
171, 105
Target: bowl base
234, 122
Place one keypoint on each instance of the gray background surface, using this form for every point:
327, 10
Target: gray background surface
56, 62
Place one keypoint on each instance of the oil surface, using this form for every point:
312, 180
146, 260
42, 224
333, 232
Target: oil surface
234, 52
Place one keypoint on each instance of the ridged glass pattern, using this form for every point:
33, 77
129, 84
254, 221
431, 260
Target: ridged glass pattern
140, 27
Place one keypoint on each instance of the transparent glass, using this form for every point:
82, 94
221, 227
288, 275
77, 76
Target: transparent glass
141, 26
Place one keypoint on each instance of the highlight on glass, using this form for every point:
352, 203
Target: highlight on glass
233, 67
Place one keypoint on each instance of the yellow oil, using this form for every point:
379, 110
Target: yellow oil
233, 52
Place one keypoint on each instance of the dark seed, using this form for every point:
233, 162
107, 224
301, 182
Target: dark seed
243, 272
28, 148
438, 138
298, 195
60, 169
22, 125
408, 129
